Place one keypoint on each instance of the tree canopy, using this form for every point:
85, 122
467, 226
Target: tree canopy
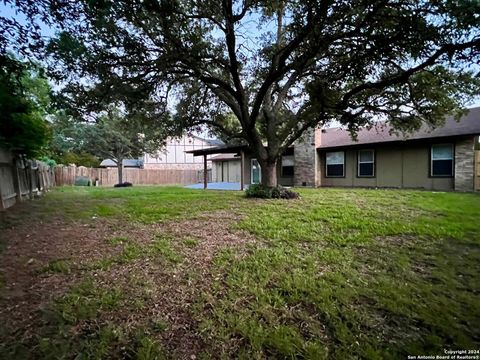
280, 67
64, 146
24, 103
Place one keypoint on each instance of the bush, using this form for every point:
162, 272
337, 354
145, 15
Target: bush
124, 184
267, 192
83, 181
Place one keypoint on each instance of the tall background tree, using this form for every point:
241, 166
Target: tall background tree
281, 67
24, 106
65, 145
119, 135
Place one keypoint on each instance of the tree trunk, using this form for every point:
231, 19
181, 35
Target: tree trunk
269, 173
120, 170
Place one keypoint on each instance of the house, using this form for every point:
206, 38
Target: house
127, 163
175, 154
172, 156
438, 159
227, 168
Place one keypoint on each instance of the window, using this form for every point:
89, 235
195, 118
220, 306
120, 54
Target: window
288, 163
256, 172
366, 163
335, 163
442, 160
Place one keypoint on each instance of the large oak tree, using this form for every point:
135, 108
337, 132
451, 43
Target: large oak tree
280, 67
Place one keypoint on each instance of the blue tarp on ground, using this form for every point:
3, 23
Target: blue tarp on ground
217, 186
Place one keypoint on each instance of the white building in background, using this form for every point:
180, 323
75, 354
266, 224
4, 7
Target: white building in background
174, 156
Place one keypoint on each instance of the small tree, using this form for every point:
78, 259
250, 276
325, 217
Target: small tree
118, 135
65, 147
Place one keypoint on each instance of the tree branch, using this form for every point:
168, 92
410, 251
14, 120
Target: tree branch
401, 77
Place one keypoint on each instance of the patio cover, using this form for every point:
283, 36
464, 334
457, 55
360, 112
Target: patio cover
223, 149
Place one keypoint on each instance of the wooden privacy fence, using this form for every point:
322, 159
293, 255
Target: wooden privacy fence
477, 170
65, 175
22, 179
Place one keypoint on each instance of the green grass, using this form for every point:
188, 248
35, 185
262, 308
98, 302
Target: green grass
160, 248
57, 266
117, 240
146, 204
337, 274
190, 242
353, 274
162, 245
142, 204
85, 301
80, 307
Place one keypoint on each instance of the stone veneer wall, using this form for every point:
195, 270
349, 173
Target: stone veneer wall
305, 155
464, 165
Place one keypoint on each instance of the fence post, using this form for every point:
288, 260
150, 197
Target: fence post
28, 175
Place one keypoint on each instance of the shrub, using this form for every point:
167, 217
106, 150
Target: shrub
83, 181
267, 192
124, 184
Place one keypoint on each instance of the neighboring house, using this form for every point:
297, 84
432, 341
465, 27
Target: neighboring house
439, 159
174, 155
127, 163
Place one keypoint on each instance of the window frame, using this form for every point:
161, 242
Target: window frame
374, 162
343, 165
452, 174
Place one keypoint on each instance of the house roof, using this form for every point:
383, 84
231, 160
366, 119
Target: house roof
126, 163
222, 149
224, 157
338, 137
215, 142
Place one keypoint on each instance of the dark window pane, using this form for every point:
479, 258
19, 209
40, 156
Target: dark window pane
288, 170
366, 169
288, 151
442, 168
335, 170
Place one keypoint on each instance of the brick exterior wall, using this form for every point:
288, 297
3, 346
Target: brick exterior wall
464, 165
305, 155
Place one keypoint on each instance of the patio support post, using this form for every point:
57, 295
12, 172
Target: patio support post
205, 174
242, 169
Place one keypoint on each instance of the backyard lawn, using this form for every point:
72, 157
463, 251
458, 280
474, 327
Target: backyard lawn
168, 272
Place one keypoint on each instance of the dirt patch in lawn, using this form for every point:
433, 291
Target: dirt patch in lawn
159, 281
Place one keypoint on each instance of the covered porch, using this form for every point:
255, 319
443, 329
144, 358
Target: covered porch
239, 151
